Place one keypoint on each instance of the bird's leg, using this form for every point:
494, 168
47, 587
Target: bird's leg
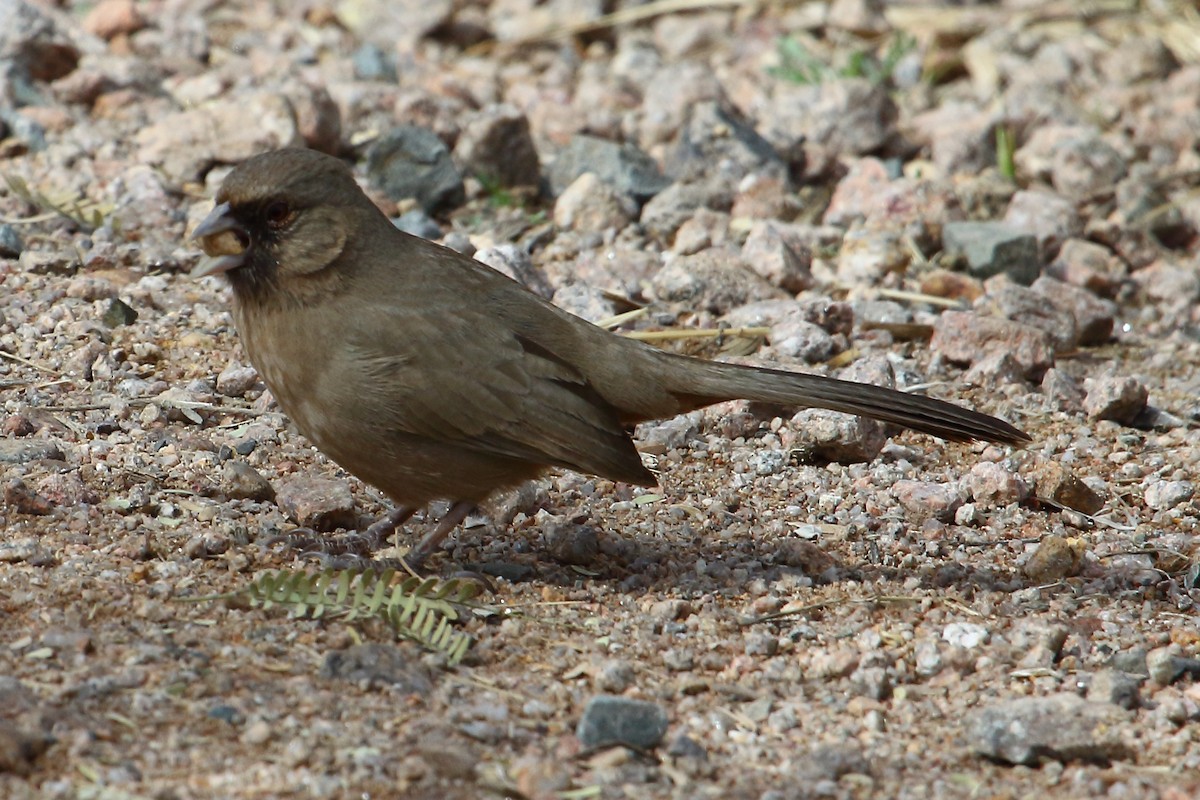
457, 513
378, 531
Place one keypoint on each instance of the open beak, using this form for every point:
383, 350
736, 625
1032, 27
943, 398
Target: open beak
223, 240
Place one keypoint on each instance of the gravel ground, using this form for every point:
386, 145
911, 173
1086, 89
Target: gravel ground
997, 204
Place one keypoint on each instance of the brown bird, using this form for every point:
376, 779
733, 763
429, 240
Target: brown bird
432, 376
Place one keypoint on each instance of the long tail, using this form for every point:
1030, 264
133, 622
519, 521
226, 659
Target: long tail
699, 383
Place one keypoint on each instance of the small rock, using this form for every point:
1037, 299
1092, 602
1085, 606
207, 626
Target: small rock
24, 500
1120, 399
993, 248
20, 749
317, 503
1089, 266
1057, 483
1093, 317
1115, 687
318, 119
21, 452
990, 484
111, 18
11, 244
614, 676
417, 223
1164, 281
1165, 495
584, 300
496, 145
412, 162
844, 438
1062, 391
1051, 218
925, 499
778, 257
187, 143
609, 720
664, 214
711, 281
715, 135
379, 665
1055, 558
627, 169
966, 635
828, 764
1024, 305
39, 262
371, 63
868, 253
1063, 727
118, 313
1165, 665
571, 543
962, 337
847, 116
235, 380
994, 368
240, 481
590, 204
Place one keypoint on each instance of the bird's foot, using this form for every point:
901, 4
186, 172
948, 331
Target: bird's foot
356, 544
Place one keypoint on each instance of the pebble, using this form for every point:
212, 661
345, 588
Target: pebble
609, 720
1055, 559
1063, 727
624, 167
496, 146
963, 338
994, 248
321, 504
1118, 398
1166, 495
379, 665
411, 162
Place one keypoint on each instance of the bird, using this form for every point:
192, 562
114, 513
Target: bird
432, 376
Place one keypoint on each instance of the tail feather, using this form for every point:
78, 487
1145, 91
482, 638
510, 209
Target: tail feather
704, 383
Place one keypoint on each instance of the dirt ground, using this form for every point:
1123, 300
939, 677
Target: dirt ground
938, 620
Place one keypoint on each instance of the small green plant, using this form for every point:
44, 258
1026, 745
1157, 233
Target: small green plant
1005, 147
87, 214
498, 195
797, 64
421, 610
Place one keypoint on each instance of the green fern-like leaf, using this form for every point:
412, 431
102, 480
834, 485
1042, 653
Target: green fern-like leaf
421, 610
87, 214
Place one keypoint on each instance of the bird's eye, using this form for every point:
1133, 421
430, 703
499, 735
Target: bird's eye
278, 213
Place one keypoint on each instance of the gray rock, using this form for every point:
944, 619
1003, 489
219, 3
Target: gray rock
622, 166
1093, 316
774, 252
1165, 495
1022, 304
240, 481
11, 244
379, 665
1063, 727
1120, 399
412, 162
1166, 665
847, 116
118, 313
496, 145
845, 438
716, 141
418, 223
667, 211
712, 281
1062, 390
1051, 218
371, 63
1115, 687
22, 451
994, 248
609, 720
591, 205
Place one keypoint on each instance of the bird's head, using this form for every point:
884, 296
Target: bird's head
282, 218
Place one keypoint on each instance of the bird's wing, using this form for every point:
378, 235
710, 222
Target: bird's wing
463, 377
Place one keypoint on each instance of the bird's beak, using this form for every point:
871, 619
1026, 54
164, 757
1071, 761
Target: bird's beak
224, 241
